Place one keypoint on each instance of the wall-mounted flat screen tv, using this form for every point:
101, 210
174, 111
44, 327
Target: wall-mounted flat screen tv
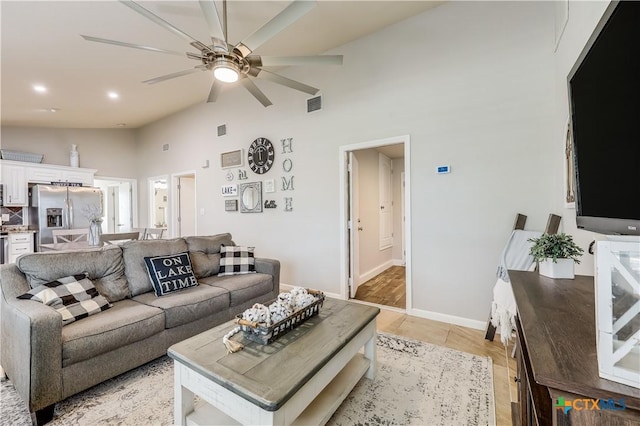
604, 96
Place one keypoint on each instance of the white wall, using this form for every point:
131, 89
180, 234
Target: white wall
111, 151
473, 83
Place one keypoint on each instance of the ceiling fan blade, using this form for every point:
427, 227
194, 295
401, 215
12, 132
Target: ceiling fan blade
257, 93
278, 61
288, 16
158, 20
134, 46
276, 78
210, 13
170, 76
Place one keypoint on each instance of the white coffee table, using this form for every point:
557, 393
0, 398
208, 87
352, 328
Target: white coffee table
301, 378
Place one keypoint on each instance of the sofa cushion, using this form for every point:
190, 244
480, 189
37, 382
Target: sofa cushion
189, 304
126, 322
73, 297
170, 273
237, 260
242, 288
205, 253
105, 268
135, 269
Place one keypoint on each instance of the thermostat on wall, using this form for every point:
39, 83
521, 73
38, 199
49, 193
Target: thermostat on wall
443, 169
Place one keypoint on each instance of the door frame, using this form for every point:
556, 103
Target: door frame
344, 210
174, 201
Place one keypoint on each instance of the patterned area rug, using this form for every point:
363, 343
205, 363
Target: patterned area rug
416, 384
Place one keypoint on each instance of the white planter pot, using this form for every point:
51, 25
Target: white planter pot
563, 268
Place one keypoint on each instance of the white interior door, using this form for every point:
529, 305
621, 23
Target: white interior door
386, 200
354, 221
404, 244
113, 209
186, 205
125, 201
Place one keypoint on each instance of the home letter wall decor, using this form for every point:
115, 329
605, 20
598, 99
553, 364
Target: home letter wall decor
287, 166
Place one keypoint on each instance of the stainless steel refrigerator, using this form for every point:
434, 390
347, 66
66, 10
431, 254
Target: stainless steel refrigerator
61, 207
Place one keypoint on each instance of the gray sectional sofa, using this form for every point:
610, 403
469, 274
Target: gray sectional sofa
47, 362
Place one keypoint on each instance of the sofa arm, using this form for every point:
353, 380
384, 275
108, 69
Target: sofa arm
271, 267
31, 351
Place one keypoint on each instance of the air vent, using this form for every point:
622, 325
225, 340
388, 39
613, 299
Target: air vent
165, 147
314, 104
222, 130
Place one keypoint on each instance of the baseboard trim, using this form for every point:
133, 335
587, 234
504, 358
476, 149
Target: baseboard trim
375, 271
450, 319
398, 262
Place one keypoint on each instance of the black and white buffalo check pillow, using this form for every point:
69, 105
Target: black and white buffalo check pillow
74, 297
237, 260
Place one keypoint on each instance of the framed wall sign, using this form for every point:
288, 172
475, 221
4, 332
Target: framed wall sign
270, 185
230, 205
229, 190
231, 159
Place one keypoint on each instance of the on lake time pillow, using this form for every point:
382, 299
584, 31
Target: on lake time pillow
169, 273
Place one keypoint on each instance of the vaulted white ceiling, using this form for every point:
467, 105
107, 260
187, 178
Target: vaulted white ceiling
41, 44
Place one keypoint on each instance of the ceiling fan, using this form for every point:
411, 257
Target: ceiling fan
231, 63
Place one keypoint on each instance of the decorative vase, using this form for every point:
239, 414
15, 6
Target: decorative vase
562, 268
95, 230
74, 159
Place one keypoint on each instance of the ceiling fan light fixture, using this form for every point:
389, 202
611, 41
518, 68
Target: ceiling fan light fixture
225, 70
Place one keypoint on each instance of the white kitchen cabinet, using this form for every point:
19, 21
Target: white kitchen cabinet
84, 177
19, 243
43, 174
19, 174
14, 179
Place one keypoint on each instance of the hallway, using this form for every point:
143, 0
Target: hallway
387, 288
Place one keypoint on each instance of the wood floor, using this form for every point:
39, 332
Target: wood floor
387, 288
462, 339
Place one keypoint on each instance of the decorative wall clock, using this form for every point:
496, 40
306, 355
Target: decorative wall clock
261, 155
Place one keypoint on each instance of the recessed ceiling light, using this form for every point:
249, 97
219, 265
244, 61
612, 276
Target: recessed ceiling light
113, 95
53, 109
121, 124
39, 88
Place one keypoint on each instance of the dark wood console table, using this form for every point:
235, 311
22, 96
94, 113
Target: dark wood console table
557, 356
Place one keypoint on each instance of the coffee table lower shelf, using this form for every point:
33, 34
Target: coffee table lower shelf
317, 413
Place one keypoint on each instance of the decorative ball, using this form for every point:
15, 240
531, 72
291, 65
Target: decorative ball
279, 310
303, 300
258, 313
286, 298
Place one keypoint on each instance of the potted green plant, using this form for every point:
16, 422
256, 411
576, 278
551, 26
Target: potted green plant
556, 255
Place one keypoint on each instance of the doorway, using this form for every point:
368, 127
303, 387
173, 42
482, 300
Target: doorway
375, 228
185, 207
159, 203
119, 209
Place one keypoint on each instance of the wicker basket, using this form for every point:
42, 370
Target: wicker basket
21, 156
262, 334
